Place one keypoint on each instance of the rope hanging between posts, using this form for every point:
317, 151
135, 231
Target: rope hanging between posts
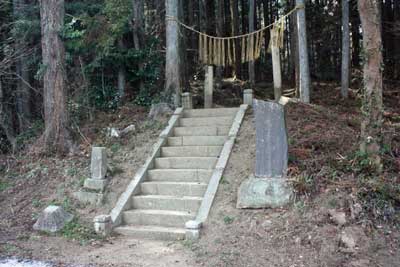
221, 51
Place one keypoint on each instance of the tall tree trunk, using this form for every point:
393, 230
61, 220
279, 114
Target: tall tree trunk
173, 68
121, 74
6, 119
252, 9
355, 35
23, 91
303, 53
56, 135
137, 23
372, 107
345, 49
220, 32
235, 31
138, 39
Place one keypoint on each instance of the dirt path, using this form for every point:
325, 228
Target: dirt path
117, 251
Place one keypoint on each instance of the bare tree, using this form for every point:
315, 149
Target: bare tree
371, 125
56, 135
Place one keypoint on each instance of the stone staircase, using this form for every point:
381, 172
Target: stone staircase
173, 191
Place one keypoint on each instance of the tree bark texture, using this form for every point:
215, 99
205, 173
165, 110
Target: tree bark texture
345, 49
23, 100
173, 86
371, 125
252, 9
56, 136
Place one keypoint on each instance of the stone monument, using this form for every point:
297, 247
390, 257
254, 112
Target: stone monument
268, 186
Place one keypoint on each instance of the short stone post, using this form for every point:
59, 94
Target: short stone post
248, 97
103, 224
98, 168
209, 87
268, 187
187, 102
276, 64
192, 230
97, 182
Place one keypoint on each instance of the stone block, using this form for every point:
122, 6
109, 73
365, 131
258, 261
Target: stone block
98, 165
52, 219
95, 184
103, 225
264, 193
89, 197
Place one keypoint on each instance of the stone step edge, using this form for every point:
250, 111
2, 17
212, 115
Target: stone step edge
193, 227
152, 232
104, 224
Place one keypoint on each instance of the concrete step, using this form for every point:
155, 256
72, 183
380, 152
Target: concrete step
151, 232
209, 112
206, 121
179, 175
179, 189
186, 163
160, 202
167, 218
197, 140
191, 151
204, 131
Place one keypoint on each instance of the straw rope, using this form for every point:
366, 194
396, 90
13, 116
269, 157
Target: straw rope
212, 48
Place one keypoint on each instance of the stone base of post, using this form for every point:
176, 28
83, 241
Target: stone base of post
257, 192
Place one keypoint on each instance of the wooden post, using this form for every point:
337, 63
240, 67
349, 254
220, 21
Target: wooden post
209, 87
303, 53
173, 86
276, 65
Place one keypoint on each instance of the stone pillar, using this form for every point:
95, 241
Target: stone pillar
187, 102
248, 97
268, 187
98, 165
209, 87
98, 168
276, 64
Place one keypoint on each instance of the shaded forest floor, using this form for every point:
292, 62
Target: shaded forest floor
329, 176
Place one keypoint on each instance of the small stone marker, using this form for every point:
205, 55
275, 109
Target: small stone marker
268, 187
209, 87
52, 219
103, 224
187, 102
98, 165
98, 182
248, 97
